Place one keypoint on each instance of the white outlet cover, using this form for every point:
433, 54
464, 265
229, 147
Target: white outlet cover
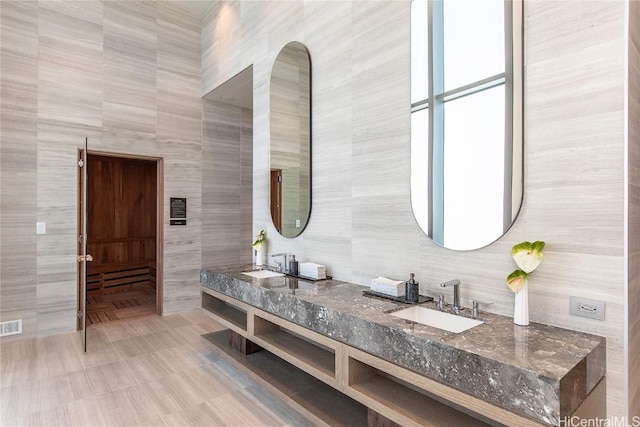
297, 223
41, 228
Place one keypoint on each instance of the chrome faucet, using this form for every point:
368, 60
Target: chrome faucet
456, 295
284, 255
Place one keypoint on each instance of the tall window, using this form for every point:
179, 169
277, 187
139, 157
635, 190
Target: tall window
462, 86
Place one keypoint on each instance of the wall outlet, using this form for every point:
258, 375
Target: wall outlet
586, 308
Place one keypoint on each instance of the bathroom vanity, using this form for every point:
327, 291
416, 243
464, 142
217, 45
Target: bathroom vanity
404, 371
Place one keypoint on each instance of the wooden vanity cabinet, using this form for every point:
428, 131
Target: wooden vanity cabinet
379, 392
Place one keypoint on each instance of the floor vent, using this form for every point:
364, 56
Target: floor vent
12, 327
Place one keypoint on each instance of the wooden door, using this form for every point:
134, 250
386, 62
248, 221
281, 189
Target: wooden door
275, 201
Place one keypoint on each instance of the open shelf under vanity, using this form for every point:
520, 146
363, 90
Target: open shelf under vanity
335, 384
228, 313
308, 395
309, 353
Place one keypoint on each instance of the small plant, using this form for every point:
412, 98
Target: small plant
260, 238
528, 256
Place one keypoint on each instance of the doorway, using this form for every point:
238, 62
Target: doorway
124, 237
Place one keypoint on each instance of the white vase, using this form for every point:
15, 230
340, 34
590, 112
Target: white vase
521, 306
259, 256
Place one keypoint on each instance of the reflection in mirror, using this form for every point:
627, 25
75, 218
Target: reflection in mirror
290, 143
466, 121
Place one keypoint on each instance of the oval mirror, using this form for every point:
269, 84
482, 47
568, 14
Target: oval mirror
466, 119
290, 140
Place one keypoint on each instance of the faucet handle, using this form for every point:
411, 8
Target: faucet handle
440, 302
474, 309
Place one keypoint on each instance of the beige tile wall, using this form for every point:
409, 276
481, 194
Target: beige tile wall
70, 107
227, 142
179, 142
361, 224
18, 148
634, 209
127, 76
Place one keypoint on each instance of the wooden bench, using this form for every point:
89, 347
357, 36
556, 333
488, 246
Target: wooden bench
103, 279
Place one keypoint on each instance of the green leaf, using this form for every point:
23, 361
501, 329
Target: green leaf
516, 280
260, 238
528, 255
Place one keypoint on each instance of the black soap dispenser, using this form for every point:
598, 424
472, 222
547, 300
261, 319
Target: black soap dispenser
293, 266
412, 290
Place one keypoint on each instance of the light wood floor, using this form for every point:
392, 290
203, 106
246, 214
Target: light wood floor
155, 371
125, 303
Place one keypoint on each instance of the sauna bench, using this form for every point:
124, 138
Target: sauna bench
498, 372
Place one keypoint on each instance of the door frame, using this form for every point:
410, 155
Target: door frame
159, 220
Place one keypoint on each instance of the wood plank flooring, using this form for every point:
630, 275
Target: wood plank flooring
128, 302
154, 371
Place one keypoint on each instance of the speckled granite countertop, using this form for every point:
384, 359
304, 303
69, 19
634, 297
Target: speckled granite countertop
538, 371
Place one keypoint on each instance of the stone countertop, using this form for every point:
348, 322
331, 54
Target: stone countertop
538, 371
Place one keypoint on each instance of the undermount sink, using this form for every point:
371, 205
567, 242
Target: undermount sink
263, 274
437, 319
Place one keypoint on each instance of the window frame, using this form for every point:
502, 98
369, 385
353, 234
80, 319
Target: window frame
511, 78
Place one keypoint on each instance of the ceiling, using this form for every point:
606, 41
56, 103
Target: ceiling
238, 90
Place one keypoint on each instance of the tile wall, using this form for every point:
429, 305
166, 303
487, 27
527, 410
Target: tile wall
227, 184
127, 76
